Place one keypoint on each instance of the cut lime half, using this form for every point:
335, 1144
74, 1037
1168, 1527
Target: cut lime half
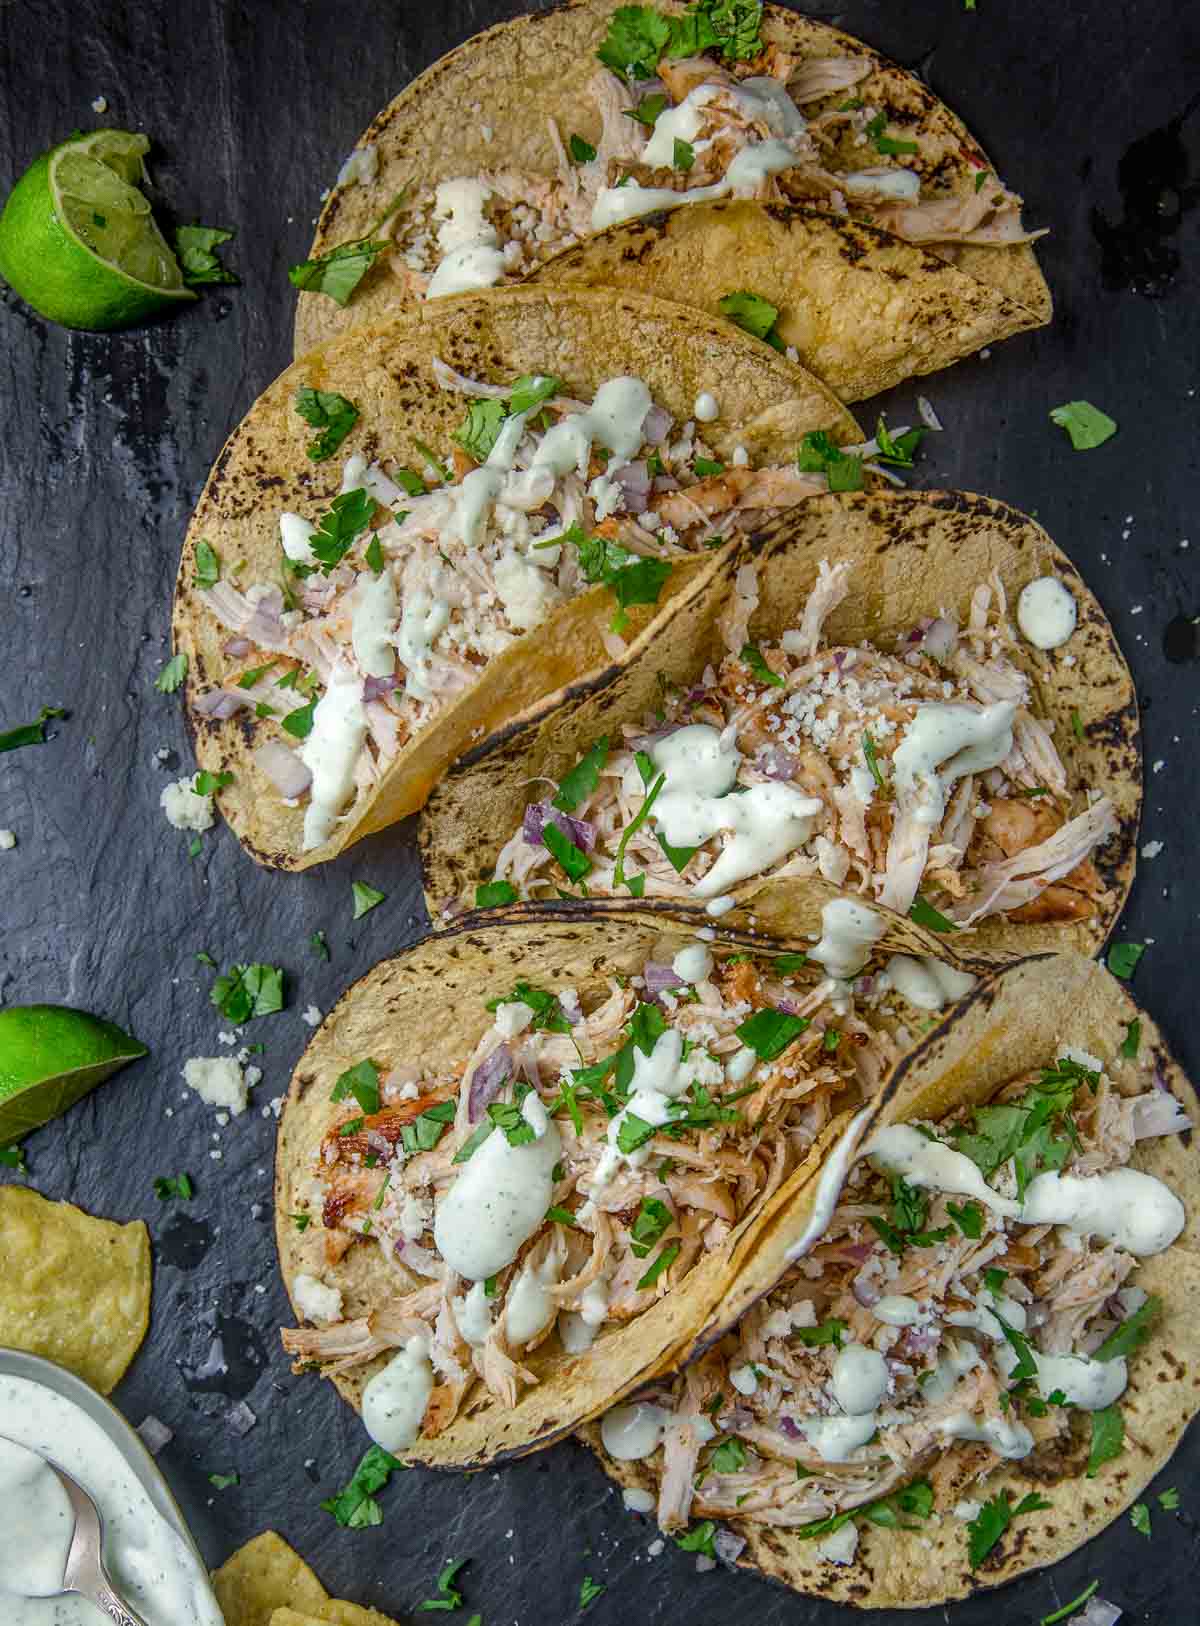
78, 241
51, 1056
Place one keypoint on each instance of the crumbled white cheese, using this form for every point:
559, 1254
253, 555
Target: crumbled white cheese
311, 1015
218, 1081
607, 495
840, 1546
1151, 849
100, 105
966, 1510
7, 841
315, 1301
184, 809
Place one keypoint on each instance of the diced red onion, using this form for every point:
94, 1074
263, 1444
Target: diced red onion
284, 768
940, 638
776, 762
865, 1292
656, 426
664, 483
374, 688
1099, 1612
264, 625
839, 655
737, 1417
578, 832
791, 1428
920, 1340
240, 1418
236, 647
727, 1546
220, 704
1158, 1113
154, 1434
863, 985
855, 1253
634, 481
487, 1081
659, 976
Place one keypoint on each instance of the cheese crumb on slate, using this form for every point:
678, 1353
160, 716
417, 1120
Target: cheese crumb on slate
312, 1016
218, 1081
8, 841
184, 809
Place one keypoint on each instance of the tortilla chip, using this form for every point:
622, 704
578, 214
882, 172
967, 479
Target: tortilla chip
439, 990
767, 406
73, 1288
1016, 1019
914, 554
945, 303
261, 1578
334, 1613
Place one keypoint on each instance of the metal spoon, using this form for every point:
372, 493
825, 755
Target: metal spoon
85, 1574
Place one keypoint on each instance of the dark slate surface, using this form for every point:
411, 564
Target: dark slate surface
1089, 109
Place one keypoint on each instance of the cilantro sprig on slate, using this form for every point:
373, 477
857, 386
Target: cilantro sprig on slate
195, 247
355, 1506
449, 1597
819, 454
174, 1185
31, 733
245, 991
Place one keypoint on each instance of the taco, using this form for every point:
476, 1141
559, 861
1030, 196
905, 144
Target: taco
501, 494
969, 1353
521, 1163
912, 695
745, 161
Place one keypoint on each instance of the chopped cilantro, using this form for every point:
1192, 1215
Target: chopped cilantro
506, 1115
632, 579
362, 1082
13, 1157
769, 1032
174, 1185
562, 1216
194, 246
484, 421
637, 37
1075, 1603
647, 110
366, 898
245, 991
574, 861
634, 825
329, 412
373, 554
872, 761
633, 1132
449, 1595
1026, 1366
968, 1218
1139, 1518
664, 1261
423, 1134
1087, 426
491, 894
172, 674
1131, 1043
729, 1457
994, 1518
299, 723
581, 151
923, 913
753, 314
653, 1220
355, 1506
352, 1126
472, 1144
224, 1481
208, 564
205, 958
301, 1221
783, 963
699, 1539
818, 454
548, 1015
254, 675
318, 944
825, 1332
1076, 724
531, 389
1132, 1333
683, 155
31, 733
339, 272
1108, 1438
1123, 958
589, 1591
1168, 1500
752, 656
707, 465
348, 517
207, 784
578, 783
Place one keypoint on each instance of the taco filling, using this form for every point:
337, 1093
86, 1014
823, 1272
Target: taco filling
968, 1299
390, 605
571, 1173
691, 109
921, 777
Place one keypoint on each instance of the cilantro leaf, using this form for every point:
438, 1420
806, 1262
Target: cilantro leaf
753, 314
581, 151
1108, 1438
579, 782
1131, 1043
450, 1597
208, 564
348, 517
699, 1539
207, 784
492, 894
968, 1218
633, 1132
224, 1481
1122, 959
174, 1185
1139, 1518
339, 272
362, 1082
1087, 426
548, 1015
923, 913
665, 1259
637, 37
194, 247
871, 758
769, 1032
32, 733
506, 1115
1168, 1500
825, 1332
589, 1591
481, 430
245, 991
752, 656
332, 414
318, 944
355, 1506
818, 454
299, 723
683, 155
653, 1220
531, 389
573, 859
366, 898
172, 674
993, 1519
1132, 1333
424, 1132
647, 110
729, 1457
632, 579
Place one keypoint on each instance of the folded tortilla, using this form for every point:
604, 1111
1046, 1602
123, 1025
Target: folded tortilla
364, 1174
1016, 1021
912, 556
395, 377
864, 306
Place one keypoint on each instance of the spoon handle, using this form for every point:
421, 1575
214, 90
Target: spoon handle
119, 1611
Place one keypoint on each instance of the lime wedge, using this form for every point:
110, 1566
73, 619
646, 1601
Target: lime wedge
78, 241
50, 1057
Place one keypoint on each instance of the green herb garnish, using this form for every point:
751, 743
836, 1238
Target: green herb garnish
332, 414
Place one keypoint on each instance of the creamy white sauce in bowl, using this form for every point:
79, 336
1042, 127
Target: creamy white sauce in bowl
148, 1550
